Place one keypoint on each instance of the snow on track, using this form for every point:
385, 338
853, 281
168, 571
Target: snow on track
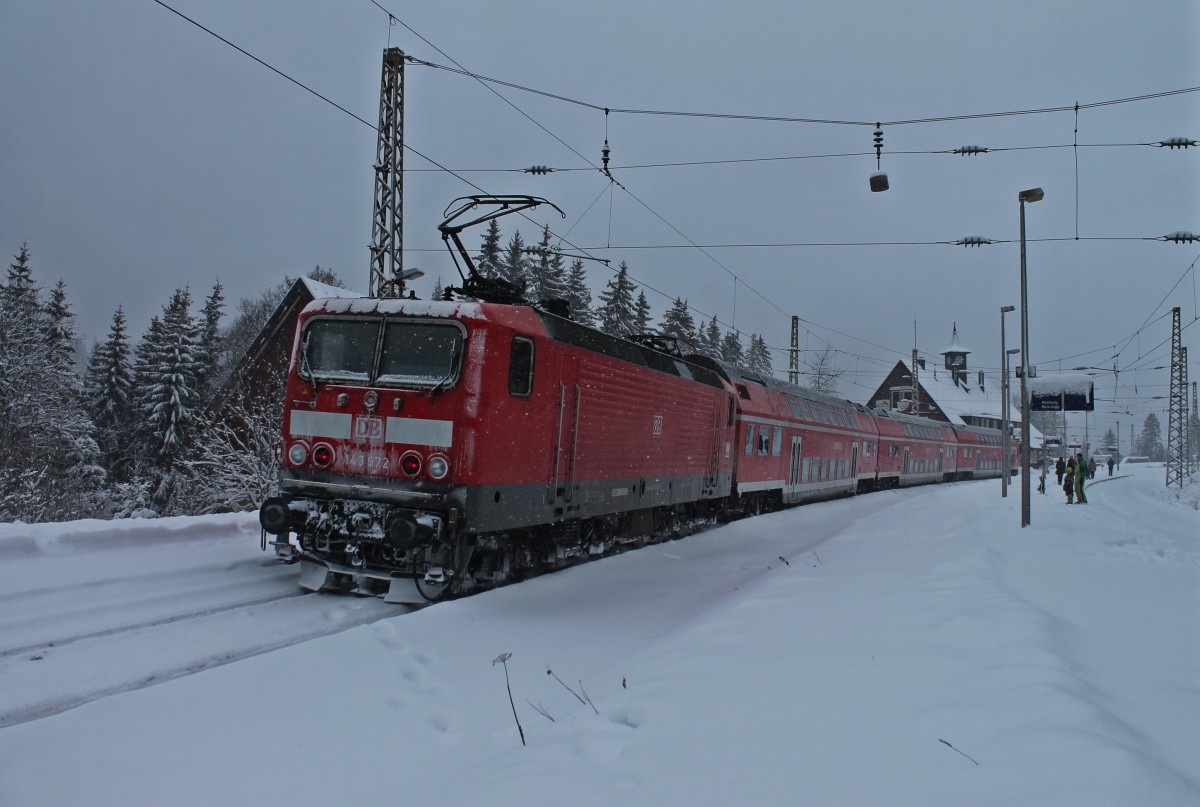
92, 609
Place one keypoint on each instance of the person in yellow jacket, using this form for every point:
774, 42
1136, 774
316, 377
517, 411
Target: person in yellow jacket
1080, 475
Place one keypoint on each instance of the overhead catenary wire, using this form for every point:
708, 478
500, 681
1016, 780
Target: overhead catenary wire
457, 175
804, 120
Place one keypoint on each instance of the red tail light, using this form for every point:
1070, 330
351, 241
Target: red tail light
322, 455
411, 463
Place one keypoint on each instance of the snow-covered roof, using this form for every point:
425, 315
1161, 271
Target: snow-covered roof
956, 400
955, 345
318, 289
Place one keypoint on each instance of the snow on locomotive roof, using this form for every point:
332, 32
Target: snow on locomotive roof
392, 305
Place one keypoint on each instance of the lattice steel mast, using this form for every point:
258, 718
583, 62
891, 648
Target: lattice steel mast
1178, 407
387, 231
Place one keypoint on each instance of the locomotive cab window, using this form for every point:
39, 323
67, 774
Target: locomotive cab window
520, 367
419, 354
339, 349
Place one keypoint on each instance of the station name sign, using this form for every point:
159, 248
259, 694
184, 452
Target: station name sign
1062, 393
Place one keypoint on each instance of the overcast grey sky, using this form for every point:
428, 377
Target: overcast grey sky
141, 154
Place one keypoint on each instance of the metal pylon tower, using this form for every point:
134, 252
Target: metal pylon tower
387, 229
1178, 407
794, 353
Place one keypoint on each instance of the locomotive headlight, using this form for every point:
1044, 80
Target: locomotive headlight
297, 453
439, 467
322, 455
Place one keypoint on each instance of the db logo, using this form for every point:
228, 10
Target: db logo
368, 428
657, 429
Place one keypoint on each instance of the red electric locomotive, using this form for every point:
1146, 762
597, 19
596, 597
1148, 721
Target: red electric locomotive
457, 445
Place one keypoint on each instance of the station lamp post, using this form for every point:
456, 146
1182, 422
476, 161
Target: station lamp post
1032, 195
1004, 436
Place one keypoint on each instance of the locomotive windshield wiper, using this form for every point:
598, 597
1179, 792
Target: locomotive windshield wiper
304, 370
449, 373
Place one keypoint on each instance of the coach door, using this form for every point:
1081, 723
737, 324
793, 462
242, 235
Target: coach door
562, 462
854, 462
794, 475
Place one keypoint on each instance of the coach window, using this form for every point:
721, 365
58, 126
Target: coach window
749, 438
520, 367
777, 441
764, 441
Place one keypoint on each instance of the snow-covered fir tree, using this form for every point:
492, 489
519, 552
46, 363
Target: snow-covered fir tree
731, 349
208, 346
758, 358
488, 262
49, 467
641, 314
678, 322
166, 397
710, 339
579, 296
514, 265
108, 391
439, 291
548, 279
1149, 442
617, 313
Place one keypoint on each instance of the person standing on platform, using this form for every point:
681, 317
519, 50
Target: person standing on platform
1080, 476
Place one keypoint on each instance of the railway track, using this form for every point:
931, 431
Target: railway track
88, 625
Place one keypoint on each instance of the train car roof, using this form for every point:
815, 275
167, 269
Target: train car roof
735, 374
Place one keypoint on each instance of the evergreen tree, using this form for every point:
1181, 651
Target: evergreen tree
641, 314
678, 322
439, 291
514, 267
166, 378
731, 348
1108, 443
579, 296
710, 339
208, 347
617, 313
1149, 442
759, 357
60, 325
488, 262
548, 279
108, 391
48, 468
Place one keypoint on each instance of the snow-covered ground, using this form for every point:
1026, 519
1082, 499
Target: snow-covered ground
903, 648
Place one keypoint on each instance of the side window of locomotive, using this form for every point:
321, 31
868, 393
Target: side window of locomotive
419, 354
729, 417
339, 349
520, 367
